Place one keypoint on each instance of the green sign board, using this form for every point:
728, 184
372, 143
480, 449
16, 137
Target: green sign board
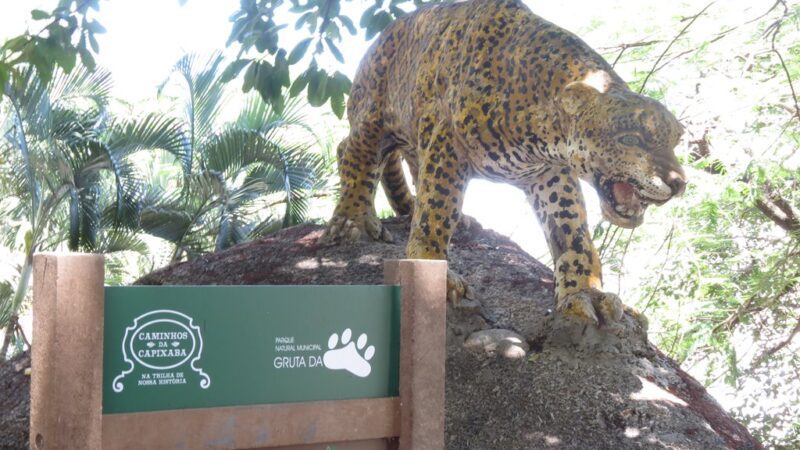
176, 347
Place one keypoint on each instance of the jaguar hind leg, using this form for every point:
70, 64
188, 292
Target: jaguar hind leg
394, 183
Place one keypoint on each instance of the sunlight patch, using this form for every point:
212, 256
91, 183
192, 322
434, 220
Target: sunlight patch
653, 392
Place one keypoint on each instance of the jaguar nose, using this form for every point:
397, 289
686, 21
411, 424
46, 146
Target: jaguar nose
676, 182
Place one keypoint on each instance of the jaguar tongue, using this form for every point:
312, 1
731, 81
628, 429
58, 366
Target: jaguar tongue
625, 196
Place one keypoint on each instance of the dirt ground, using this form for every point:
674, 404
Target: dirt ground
577, 388
15, 402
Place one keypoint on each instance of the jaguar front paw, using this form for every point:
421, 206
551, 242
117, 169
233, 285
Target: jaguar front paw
592, 306
343, 229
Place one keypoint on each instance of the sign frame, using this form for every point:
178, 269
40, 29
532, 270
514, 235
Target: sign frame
67, 363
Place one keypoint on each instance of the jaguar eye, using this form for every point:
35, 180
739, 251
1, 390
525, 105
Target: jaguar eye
630, 140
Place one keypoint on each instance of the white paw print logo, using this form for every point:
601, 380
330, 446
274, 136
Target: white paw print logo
348, 356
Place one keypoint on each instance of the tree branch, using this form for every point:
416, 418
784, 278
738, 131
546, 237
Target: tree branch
773, 30
691, 20
778, 210
784, 342
623, 47
746, 308
762, 358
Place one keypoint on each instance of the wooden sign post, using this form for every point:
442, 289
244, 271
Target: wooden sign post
237, 367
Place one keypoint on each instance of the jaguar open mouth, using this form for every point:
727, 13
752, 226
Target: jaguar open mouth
622, 203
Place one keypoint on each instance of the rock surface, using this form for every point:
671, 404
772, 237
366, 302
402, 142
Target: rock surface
505, 343
576, 387
580, 387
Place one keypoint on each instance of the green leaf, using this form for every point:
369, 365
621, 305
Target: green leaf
59, 36
348, 24
268, 83
317, 88
309, 18
378, 23
333, 8
40, 59
87, 59
299, 51
278, 104
38, 14
93, 43
95, 27
268, 40
341, 81
336, 53
396, 12
4, 76
233, 70
366, 18
281, 74
332, 31
16, 44
250, 77
338, 104
72, 24
297, 8
236, 31
67, 59
299, 84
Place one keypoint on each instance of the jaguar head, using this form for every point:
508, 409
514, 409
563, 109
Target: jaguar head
622, 143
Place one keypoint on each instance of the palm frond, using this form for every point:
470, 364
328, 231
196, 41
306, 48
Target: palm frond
30, 102
119, 240
168, 222
28, 108
206, 96
74, 89
6, 302
265, 227
45, 117
92, 157
292, 176
175, 217
251, 189
150, 132
258, 115
74, 230
72, 126
234, 149
234, 228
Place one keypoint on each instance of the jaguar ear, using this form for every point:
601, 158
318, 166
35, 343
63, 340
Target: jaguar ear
576, 96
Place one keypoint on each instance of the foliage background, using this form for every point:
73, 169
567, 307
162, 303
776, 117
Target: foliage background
716, 271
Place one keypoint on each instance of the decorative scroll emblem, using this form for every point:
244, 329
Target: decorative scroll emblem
160, 341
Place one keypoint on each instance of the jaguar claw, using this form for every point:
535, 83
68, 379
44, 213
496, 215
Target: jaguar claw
592, 306
345, 230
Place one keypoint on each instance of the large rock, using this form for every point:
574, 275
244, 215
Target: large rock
577, 387
498, 341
